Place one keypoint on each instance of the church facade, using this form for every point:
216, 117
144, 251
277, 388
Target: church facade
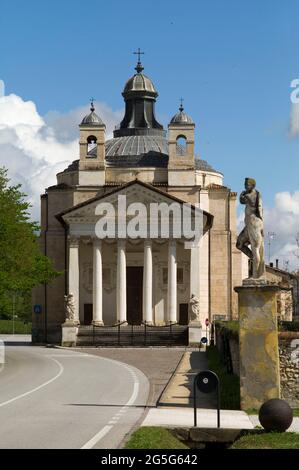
136, 279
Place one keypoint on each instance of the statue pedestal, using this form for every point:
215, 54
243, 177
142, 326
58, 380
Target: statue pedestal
258, 343
69, 334
195, 329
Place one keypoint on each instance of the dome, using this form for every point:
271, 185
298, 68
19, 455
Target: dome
139, 82
136, 151
92, 119
181, 117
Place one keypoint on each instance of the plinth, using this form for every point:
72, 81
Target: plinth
69, 333
195, 329
258, 343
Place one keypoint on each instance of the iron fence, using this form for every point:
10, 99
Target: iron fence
144, 334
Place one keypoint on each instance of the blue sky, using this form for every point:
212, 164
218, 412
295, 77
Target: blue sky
232, 62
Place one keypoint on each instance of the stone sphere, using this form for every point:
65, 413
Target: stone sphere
276, 415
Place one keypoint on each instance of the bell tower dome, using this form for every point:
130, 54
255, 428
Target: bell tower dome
140, 96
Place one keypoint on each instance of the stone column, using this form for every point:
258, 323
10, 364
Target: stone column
121, 286
148, 283
172, 282
97, 290
73, 274
258, 343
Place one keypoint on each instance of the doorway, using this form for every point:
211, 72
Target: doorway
87, 314
184, 314
134, 294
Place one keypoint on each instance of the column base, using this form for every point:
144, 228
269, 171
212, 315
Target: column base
148, 323
124, 323
97, 323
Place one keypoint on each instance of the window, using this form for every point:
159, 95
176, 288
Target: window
181, 145
91, 146
180, 276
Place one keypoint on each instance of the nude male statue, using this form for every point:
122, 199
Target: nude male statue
253, 233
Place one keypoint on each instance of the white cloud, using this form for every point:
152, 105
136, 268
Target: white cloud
35, 148
283, 220
294, 121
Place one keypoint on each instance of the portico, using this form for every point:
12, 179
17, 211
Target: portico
97, 269
120, 291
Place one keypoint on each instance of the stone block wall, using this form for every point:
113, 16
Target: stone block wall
289, 367
228, 347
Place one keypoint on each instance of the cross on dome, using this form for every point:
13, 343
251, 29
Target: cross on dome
139, 67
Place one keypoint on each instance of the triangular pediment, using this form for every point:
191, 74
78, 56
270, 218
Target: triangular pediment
135, 192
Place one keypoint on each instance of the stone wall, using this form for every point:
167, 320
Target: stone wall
227, 343
289, 367
288, 356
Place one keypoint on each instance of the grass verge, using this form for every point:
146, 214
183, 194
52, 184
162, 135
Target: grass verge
153, 438
271, 440
229, 383
6, 327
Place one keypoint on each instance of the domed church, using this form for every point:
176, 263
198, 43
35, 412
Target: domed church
119, 287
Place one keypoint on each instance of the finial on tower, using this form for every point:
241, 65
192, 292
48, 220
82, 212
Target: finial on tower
92, 108
181, 108
138, 67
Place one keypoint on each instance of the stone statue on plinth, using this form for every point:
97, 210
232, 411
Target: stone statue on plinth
194, 304
253, 232
69, 308
257, 308
195, 327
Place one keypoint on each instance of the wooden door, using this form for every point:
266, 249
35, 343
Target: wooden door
134, 294
87, 314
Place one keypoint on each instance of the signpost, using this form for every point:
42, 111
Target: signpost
207, 323
37, 310
206, 382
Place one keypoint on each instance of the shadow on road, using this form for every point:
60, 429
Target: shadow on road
108, 404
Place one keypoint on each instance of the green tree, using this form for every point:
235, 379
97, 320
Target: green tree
22, 265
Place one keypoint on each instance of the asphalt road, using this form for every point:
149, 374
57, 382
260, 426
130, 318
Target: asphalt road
56, 398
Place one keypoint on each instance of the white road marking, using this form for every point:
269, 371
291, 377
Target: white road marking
18, 397
95, 439
69, 355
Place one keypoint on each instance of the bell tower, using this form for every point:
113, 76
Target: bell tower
181, 162
92, 142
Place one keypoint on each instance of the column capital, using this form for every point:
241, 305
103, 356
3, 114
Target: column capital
96, 241
148, 242
73, 241
121, 242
